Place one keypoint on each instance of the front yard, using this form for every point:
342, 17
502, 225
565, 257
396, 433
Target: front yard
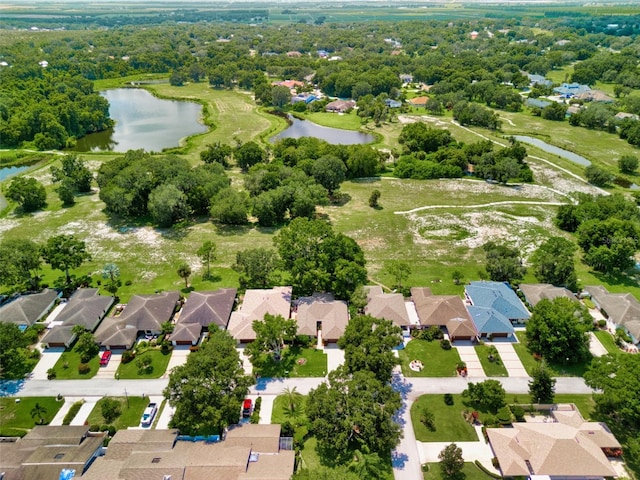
66, 368
469, 472
450, 425
131, 410
17, 418
607, 341
295, 362
437, 362
558, 370
149, 364
492, 368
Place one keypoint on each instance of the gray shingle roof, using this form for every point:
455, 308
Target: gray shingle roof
28, 309
205, 308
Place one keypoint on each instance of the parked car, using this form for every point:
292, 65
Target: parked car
149, 414
247, 406
104, 359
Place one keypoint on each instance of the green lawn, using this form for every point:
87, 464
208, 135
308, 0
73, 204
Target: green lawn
449, 422
16, 419
584, 403
437, 362
130, 416
607, 341
295, 362
159, 362
470, 472
493, 368
66, 367
558, 370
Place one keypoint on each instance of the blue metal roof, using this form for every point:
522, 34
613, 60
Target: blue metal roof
499, 297
489, 321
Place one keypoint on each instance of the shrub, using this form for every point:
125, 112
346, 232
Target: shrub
94, 428
127, 356
428, 419
425, 467
445, 344
518, 412
84, 368
489, 420
487, 472
602, 323
304, 341
128, 283
287, 429
495, 463
504, 416
165, 348
73, 411
51, 374
448, 399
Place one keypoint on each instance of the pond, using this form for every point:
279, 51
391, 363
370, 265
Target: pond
580, 160
335, 136
143, 121
7, 172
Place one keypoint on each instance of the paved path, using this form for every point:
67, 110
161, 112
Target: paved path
68, 402
47, 360
179, 356
510, 359
335, 356
469, 356
405, 458
595, 346
165, 417
266, 409
84, 411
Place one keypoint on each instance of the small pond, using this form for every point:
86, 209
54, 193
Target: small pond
143, 121
6, 172
580, 160
335, 136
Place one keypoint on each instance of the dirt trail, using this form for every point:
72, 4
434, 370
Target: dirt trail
481, 205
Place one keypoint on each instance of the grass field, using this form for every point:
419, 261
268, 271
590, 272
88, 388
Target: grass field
130, 416
449, 422
584, 403
159, 362
470, 472
493, 368
437, 361
16, 418
66, 367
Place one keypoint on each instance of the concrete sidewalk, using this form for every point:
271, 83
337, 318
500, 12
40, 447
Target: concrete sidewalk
595, 346
510, 359
335, 356
165, 417
469, 356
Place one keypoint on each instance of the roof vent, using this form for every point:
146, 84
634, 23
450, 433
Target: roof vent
155, 460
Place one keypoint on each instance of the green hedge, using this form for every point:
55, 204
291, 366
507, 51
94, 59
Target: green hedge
73, 411
487, 472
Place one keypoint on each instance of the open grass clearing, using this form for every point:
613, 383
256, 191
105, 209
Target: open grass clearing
295, 362
449, 422
492, 368
131, 408
158, 364
557, 369
607, 341
437, 361
66, 367
16, 418
470, 472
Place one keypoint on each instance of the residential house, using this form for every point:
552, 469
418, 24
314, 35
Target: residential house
538, 80
418, 102
85, 308
622, 310
321, 316
255, 305
534, 292
390, 306
536, 103
569, 90
185, 334
305, 97
594, 96
143, 315
625, 115
444, 311
566, 448
494, 308
340, 106
389, 102
406, 78
290, 84
46, 452
247, 452
25, 310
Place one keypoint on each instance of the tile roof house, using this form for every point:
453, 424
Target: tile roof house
594, 96
322, 312
25, 310
143, 313
444, 311
46, 451
185, 334
494, 307
248, 452
340, 106
622, 309
568, 447
390, 306
257, 303
206, 308
538, 80
85, 307
534, 292
418, 101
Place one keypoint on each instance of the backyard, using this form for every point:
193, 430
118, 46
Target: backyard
437, 361
131, 410
450, 425
19, 415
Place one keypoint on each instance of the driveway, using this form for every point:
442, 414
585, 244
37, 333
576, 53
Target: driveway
110, 369
47, 360
510, 359
157, 399
335, 356
85, 410
469, 356
405, 458
68, 402
595, 347
246, 363
165, 417
179, 356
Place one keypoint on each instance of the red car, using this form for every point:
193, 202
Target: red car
104, 359
246, 407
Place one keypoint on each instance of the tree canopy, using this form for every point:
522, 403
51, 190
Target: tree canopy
503, 263
271, 333
553, 263
488, 394
64, 252
208, 390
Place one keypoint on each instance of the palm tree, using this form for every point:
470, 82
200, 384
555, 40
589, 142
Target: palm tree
366, 464
38, 411
184, 271
292, 398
